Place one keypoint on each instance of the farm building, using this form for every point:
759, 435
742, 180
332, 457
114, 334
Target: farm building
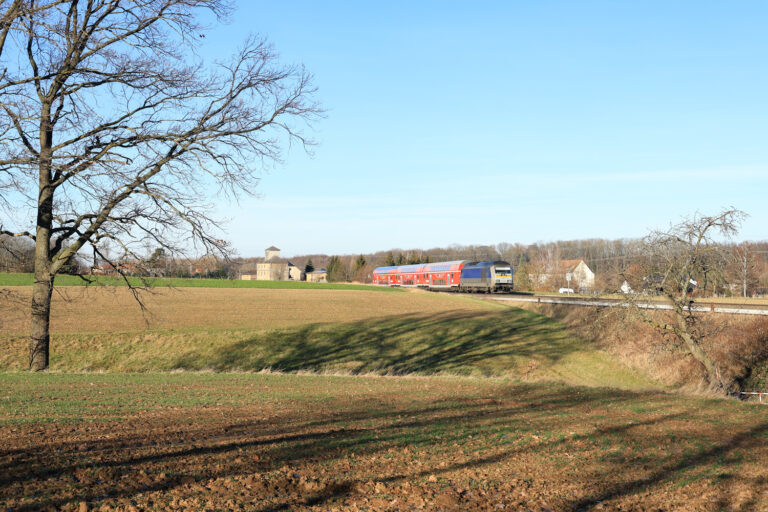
274, 268
318, 276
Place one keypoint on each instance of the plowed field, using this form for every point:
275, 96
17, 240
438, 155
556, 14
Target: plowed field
110, 309
288, 442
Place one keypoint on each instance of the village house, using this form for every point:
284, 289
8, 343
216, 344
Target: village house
108, 269
574, 274
578, 274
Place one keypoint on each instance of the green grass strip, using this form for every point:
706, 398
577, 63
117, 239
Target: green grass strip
17, 279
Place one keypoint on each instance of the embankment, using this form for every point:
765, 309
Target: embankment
318, 331
738, 343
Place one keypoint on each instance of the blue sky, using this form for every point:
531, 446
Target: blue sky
479, 123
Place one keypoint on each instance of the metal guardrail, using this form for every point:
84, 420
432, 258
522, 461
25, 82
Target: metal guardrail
711, 308
759, 394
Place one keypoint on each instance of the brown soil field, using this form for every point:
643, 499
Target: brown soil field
110, 309
287, 442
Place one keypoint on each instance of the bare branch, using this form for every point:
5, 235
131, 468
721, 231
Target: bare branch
138, 168
689, 259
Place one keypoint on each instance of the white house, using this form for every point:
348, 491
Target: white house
578, 274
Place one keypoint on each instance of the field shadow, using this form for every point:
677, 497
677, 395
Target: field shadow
276, 459
462, 342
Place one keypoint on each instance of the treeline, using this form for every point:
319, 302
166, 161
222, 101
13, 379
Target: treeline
608, 259
16, 254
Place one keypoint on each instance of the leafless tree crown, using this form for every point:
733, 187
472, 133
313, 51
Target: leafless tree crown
114, 132
688, 259
692, 254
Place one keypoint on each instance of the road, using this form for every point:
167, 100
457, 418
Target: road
701, 305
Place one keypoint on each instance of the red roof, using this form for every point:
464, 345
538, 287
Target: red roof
569, 265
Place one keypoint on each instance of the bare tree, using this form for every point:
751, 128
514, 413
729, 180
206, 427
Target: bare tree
689, 259
745, 267
115, 133
16, 254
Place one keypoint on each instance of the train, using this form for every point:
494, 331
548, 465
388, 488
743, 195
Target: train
459, 275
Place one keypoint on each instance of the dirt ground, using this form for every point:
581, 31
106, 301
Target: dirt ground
102, 309
272, 442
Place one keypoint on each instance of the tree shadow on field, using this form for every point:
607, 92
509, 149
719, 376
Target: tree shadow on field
749, 439
278, 463
285, 439
484, 343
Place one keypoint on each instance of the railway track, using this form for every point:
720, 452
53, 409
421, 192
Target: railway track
733, 308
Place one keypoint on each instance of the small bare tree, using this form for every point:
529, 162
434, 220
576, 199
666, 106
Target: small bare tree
689, 259
114, 132
16, 254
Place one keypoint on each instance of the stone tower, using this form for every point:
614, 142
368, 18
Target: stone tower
271, 253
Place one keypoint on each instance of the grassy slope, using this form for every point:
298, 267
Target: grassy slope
440, 335
736, 342
11, 279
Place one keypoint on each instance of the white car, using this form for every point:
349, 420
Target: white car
565, 290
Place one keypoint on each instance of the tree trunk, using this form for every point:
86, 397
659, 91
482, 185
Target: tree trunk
41, 315
44, 275
713, 376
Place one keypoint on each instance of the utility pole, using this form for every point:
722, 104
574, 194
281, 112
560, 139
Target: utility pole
746, 249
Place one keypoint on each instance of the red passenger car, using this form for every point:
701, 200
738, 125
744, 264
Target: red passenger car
446, 274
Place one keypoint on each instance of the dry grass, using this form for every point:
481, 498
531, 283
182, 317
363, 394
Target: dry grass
107, 309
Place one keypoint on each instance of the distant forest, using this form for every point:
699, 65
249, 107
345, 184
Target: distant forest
606, 258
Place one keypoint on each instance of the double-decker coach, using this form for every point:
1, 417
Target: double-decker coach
460, 275
446, 274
